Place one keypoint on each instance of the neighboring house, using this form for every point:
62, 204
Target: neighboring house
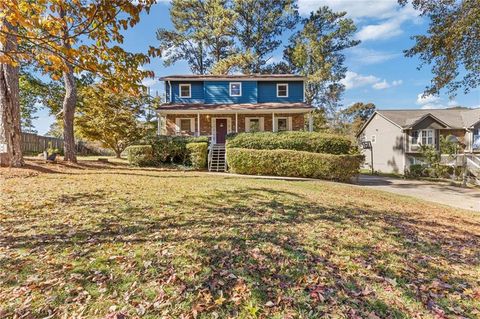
396, 135
215, 105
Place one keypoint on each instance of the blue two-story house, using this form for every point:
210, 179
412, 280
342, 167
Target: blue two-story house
215, 105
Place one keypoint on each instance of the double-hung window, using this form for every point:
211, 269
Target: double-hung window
185, 90
282, 90
424, 137
235, 89
427, 137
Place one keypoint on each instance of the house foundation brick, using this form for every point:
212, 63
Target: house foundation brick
298, 122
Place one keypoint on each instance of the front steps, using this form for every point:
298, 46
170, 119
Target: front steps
217, 160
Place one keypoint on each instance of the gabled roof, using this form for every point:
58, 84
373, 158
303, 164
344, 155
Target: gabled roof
454, 118
229, 77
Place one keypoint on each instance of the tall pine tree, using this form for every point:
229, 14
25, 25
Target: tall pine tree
316, 51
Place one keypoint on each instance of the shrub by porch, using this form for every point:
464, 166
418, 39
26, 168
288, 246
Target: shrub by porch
300, 141
293, 163
170, 150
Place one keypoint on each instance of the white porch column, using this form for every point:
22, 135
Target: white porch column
310, 122
273, 122
236, 122
159, 124
198, 124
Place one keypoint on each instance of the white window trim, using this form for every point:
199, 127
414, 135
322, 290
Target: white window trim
260, 120
279, 84
419, 137
192, 124
189, 90
230, 88
214, 127
289, 122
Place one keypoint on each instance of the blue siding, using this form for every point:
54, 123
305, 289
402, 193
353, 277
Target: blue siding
217, 92
267, 92
197, 94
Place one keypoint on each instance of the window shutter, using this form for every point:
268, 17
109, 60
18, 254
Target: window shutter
289, 125
262, 128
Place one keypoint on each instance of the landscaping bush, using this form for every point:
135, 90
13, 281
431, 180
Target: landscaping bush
415, 170
293, 163
198, 154
173, 149
300, 141
140, 155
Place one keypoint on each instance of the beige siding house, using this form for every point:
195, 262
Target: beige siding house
396, 135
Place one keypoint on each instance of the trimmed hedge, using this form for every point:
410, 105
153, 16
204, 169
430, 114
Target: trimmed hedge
293, 163
300, 141
140, 155
173, 149
198, 154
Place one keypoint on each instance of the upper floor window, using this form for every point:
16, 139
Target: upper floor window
427, 137
424, 137
282, 90
185, 90
415, 137
235, 89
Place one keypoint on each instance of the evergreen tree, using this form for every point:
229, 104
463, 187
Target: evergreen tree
316, 51
258, 27
202, 34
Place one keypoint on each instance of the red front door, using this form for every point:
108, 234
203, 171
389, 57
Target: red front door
221, 127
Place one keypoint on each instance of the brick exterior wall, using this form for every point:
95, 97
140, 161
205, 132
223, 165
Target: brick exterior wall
298, 121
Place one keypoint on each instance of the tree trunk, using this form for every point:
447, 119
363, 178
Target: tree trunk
118, 153
10, 131
69, 103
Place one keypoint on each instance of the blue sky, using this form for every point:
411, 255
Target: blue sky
378, 71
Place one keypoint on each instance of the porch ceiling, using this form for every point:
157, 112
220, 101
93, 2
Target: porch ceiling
235, 108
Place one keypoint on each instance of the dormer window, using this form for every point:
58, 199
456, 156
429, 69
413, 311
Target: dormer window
185, 90
235, 89
282, 90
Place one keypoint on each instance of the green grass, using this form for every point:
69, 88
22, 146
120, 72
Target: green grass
91, 240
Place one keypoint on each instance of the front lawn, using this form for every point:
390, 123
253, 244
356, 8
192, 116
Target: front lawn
98, 239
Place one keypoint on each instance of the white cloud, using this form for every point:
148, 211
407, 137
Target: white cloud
429, 102
354, 80
389, 27
428, 99
385, 85
382, 31
369, 56
355, 8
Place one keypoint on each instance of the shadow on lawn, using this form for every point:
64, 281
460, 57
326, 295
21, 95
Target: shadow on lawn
281, 250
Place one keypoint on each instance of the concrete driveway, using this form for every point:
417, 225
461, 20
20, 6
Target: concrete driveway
443, 193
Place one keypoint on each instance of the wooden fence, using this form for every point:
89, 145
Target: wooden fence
33, 143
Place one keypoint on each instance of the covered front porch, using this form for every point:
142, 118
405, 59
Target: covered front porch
217, 123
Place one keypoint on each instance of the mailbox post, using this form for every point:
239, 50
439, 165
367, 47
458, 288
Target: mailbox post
368, 145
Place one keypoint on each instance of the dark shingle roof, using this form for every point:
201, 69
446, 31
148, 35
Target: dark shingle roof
212, 77
453, 118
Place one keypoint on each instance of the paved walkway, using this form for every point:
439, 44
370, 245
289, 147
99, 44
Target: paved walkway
466, 198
